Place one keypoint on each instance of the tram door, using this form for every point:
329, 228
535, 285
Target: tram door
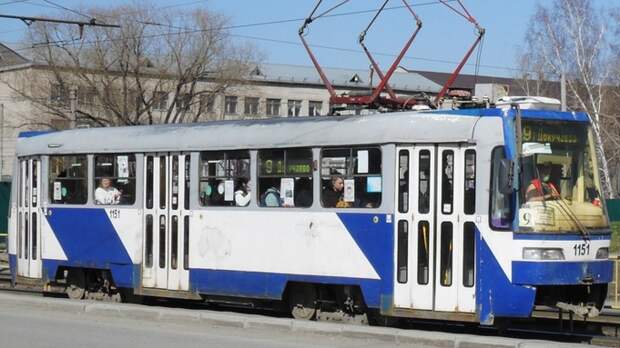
433, 234
28, 226
166, 221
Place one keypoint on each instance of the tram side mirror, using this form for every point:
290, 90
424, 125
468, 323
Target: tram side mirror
506, 176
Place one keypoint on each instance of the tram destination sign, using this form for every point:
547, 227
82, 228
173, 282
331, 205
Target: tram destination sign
562, 134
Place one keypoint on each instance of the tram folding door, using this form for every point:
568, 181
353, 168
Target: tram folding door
166, 221
434, 237
28, 223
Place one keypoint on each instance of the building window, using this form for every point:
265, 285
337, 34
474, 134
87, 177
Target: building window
115, 179
251, 106
294, 107
351, 178
314, 108
225, 178
285, 178
160, 101
230, 105
184, 101
60, 95
273, 107
206, 103
68, 179
86, 96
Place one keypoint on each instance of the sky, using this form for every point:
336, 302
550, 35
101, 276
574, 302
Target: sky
442, 42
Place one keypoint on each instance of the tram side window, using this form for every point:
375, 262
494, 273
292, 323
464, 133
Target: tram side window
351, 178
447, 181
68, 179
224, 178
424, 176
115, 179
501, 212
469, 195
285, 178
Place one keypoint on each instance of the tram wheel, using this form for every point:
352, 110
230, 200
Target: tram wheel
302, 301
76, 284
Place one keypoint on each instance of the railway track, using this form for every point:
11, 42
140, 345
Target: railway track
603, 330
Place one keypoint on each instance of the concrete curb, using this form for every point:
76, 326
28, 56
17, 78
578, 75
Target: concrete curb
249, 321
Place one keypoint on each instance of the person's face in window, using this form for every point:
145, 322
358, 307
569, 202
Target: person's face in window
545, 172
338, 184
106, 183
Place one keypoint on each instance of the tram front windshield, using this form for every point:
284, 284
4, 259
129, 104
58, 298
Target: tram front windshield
560, 190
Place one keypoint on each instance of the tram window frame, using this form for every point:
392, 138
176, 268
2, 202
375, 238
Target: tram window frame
82, 197
447, 181
127, 198
469, 254
230, 172
402, 252
351, 168
469, 183
404, 159
423, 252
494, 193
424, 167
268, 178
446, 254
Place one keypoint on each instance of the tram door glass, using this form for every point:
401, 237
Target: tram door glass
166, 221
28, 213
434, 231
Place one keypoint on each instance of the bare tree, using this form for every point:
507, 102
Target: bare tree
567, 37
159, 67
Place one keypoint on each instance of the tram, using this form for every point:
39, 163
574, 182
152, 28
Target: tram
462, 215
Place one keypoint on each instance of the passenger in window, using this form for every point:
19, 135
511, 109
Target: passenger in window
303, 192
271, 198
333, 196
542, 188
242, 193
106, 193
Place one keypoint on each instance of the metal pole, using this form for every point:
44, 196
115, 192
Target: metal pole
563, 91
73, 105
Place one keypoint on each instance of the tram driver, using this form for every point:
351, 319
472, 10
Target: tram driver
542, 188
106, 193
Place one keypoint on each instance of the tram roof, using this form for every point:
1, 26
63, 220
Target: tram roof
401, 127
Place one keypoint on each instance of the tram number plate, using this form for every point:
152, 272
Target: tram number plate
115, 213
581, 249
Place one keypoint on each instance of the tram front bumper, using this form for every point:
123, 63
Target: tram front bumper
562, 272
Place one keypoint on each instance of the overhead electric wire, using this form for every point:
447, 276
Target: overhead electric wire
68, 9
12, 2
186, 30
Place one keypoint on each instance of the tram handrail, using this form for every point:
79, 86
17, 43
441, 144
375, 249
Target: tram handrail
615, 303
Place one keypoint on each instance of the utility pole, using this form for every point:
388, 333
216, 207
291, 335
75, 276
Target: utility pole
73, 105
563, 91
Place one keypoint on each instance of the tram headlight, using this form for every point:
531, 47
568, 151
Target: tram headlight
602, 253
543, 254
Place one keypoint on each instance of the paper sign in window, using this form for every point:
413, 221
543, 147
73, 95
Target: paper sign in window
349, 190
123, 166
373, 184
229, 190
287, 191
57, 191
362, 161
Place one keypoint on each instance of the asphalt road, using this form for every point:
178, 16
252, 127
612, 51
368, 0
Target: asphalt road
31, 327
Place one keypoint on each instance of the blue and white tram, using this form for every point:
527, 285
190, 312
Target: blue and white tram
430, 215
